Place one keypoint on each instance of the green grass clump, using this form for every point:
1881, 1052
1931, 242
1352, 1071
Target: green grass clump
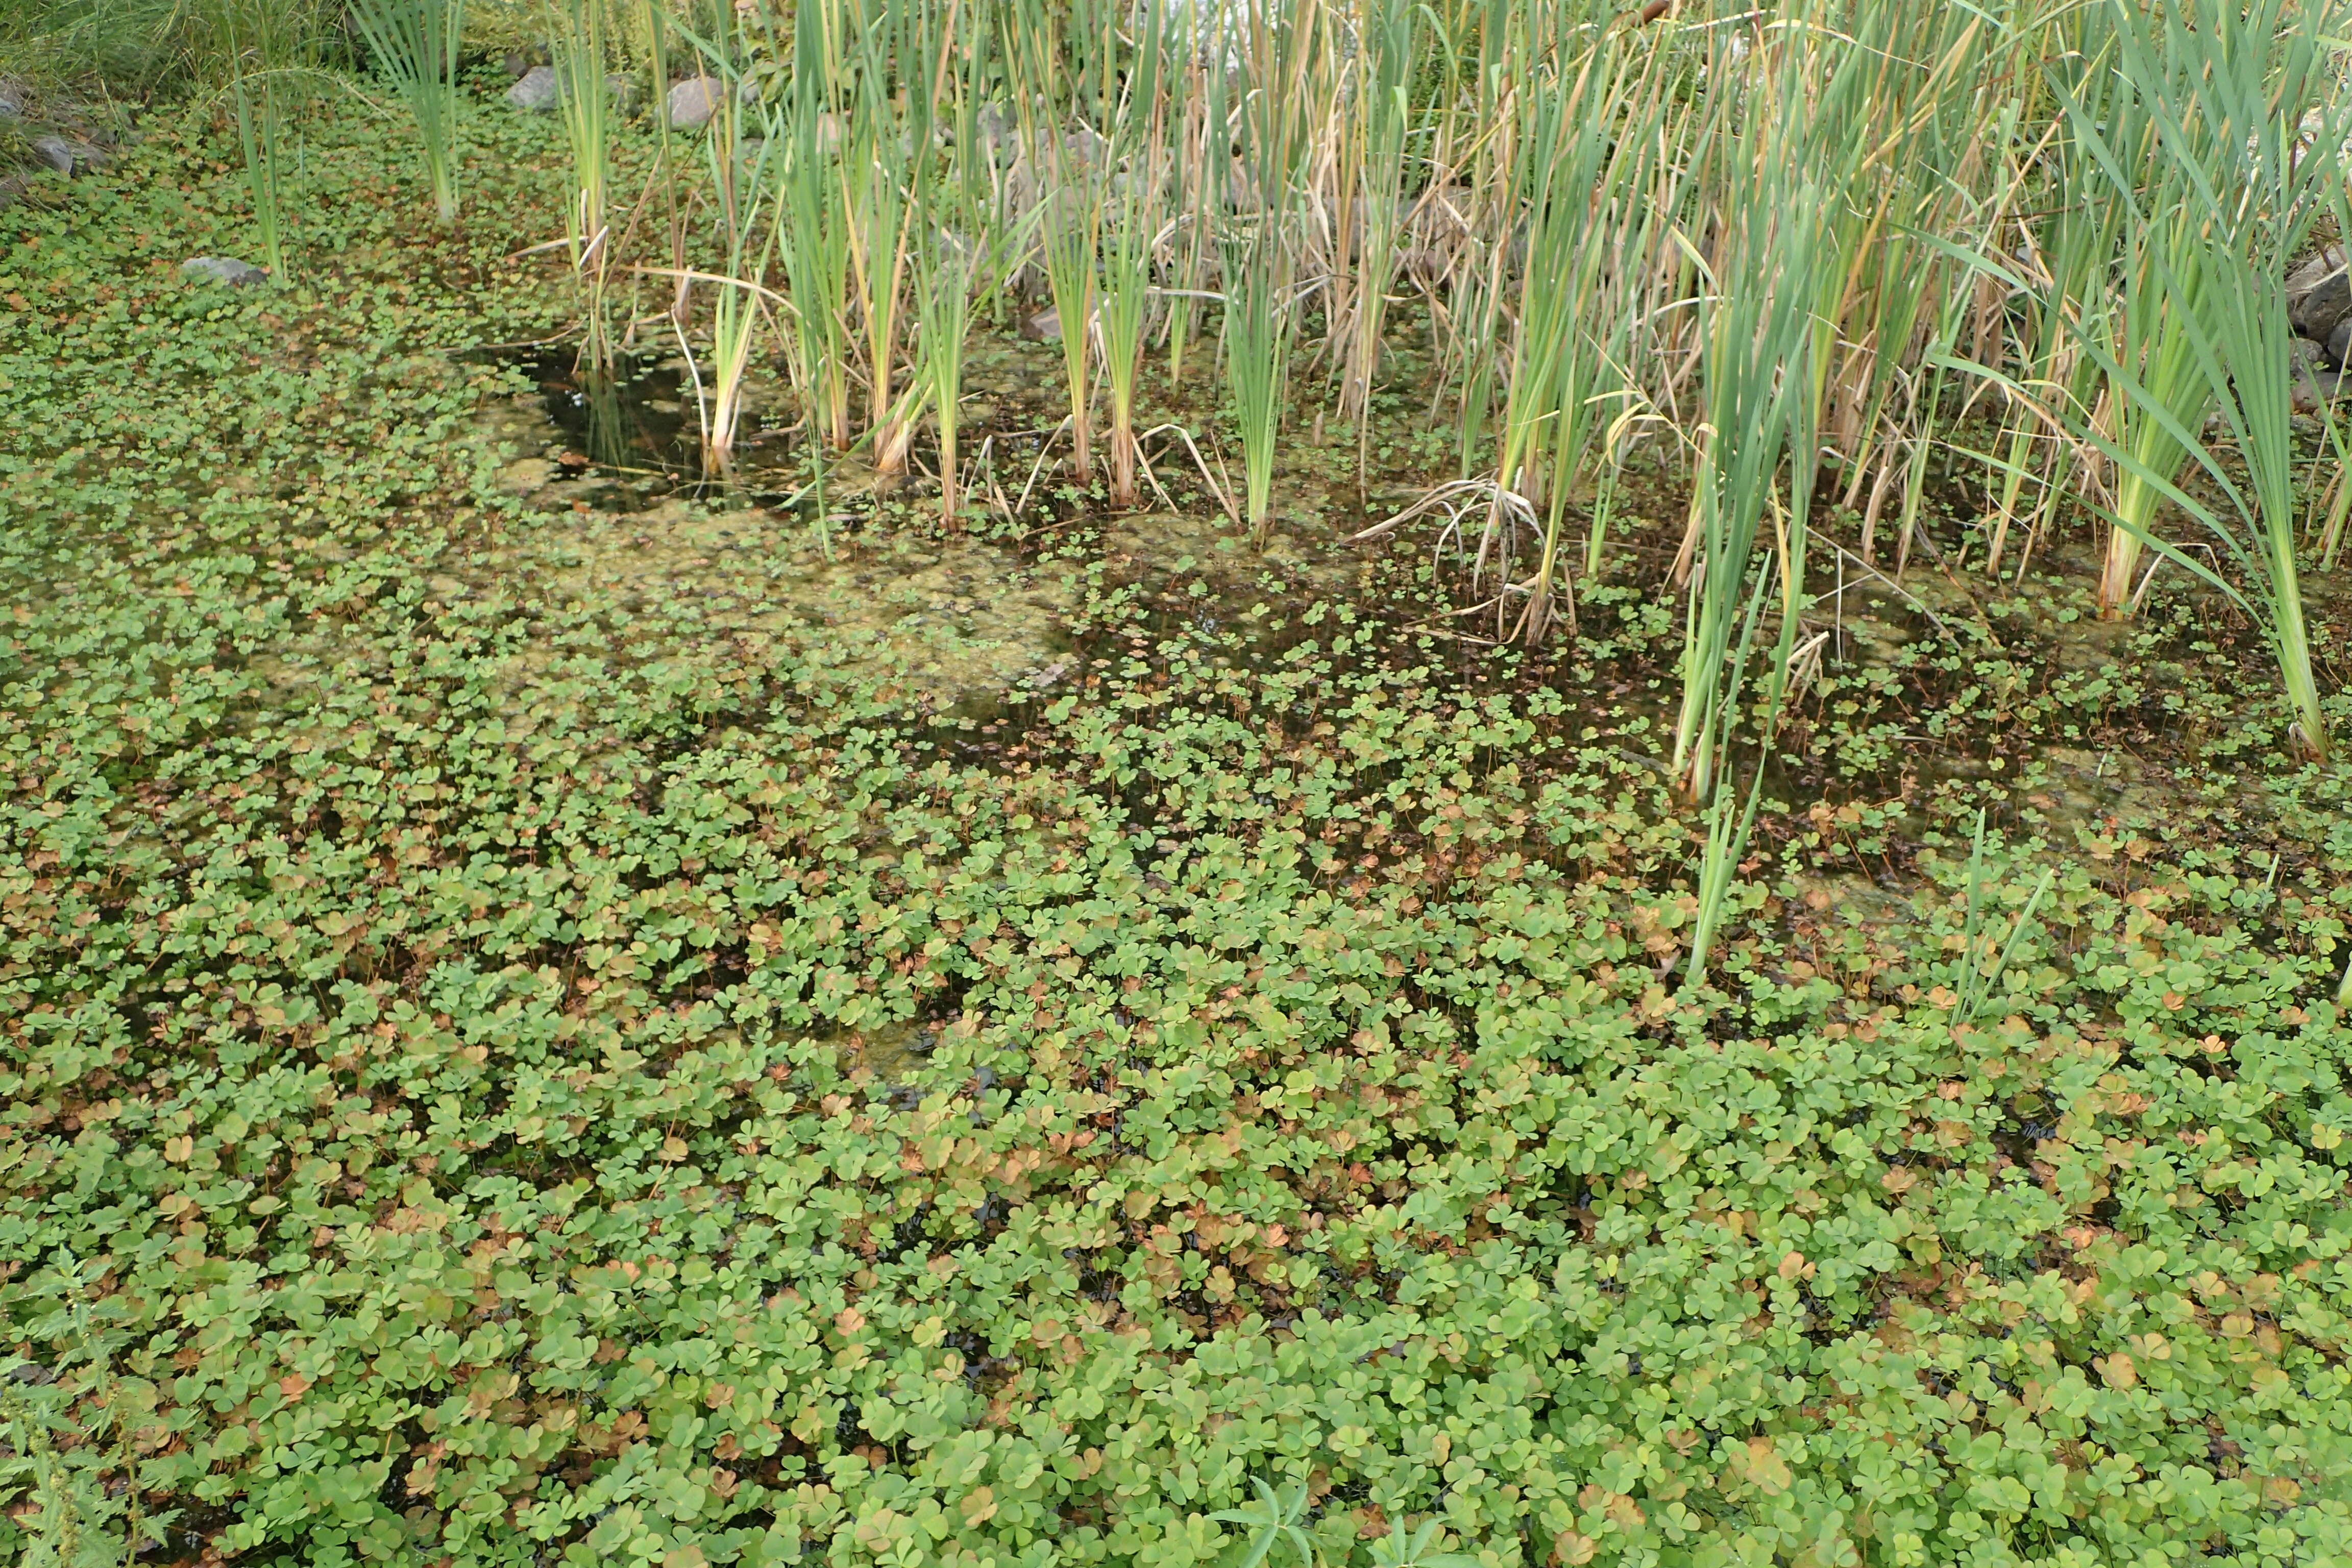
52, 44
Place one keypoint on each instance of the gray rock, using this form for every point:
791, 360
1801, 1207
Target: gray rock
693, 102
2339, 343
2314, 271
539, 91
225, 269
2317, 314
2316, 383
2320, 388
67, 157
1044, 327
12, 100
997, 130
2319, 295
536, 91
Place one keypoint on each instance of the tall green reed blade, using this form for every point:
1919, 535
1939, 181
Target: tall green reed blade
740, 309
1257, 343
738, 313
2018, 187
585, 102
2142, 151
815, 249
1475, 327
1759, 410
1389, 53
1927, 415
1063, 156
1874, 401
897, 64
880, 237
2069, 300
978, 192
1134, 167
2228, 101
1780, 280
943, 301
1762, 401
2062, 226
1730, 811
2250, 362
1585, 157
1469, 164
949, 208
1565, 142
261, 133
743, 180
1882, 388
1974, 982
1907, 143
1202, 117
948, 212
1281, 49
747, 230
654, 23
1278, 50
812, 228
2157, 393
1120, 321
415, 45
1597, 403
2245, 360
1651, 305
263, 39
2232, 196
1071, 223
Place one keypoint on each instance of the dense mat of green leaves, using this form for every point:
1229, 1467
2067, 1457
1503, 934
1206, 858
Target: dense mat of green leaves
501, 1071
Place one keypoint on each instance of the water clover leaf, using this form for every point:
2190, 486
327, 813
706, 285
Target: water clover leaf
1396, 1550
1272, 1523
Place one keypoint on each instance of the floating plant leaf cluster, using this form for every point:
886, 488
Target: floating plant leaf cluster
543, 1025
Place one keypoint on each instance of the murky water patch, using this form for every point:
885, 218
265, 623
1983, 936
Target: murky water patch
623, 438
939, 624
639, 414
619, 517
